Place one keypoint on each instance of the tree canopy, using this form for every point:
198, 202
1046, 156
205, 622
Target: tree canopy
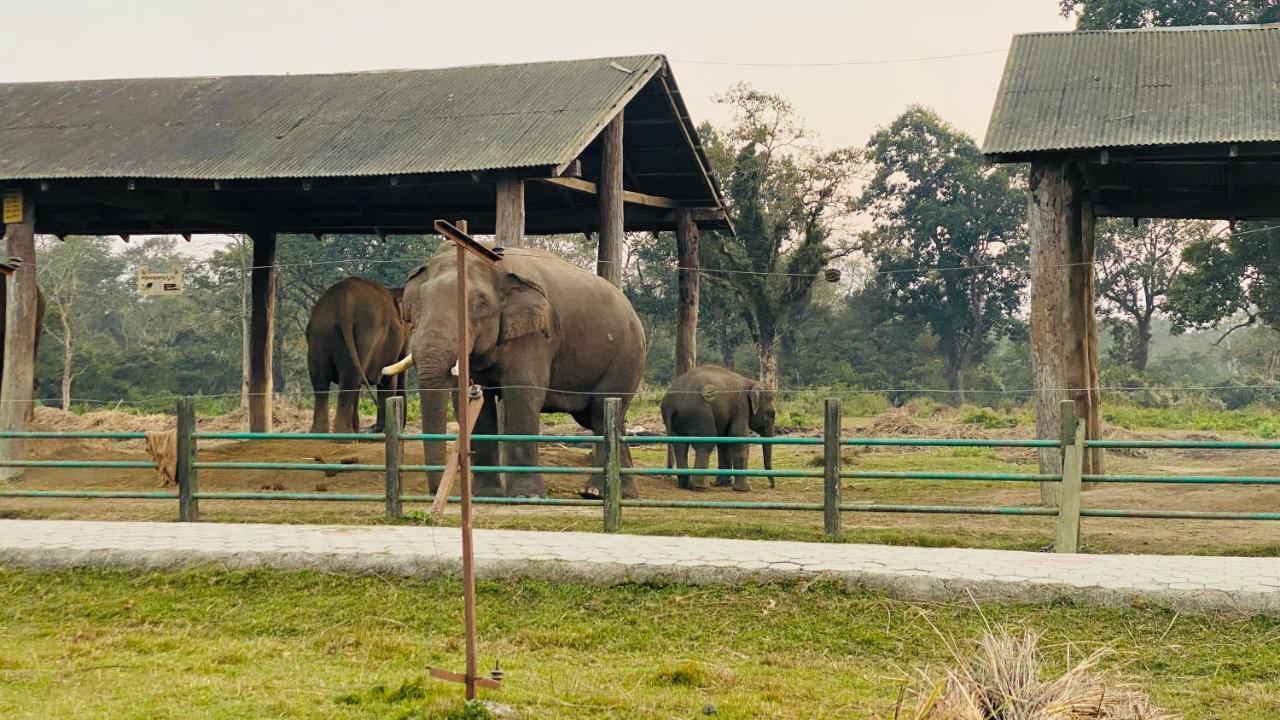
1118, 14
949, 237
786, 197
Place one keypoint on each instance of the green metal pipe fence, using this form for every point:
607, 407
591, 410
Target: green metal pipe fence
1068, 513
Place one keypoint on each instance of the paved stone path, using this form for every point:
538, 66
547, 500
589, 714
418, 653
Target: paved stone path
1185, 583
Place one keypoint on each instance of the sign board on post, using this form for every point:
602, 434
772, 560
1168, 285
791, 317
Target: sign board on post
12, 206
159, 284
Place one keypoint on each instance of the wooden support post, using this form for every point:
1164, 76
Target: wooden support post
392, 421
609, 252
1094, 463
1064, 335
687, 287
509, 222
612, 467
831, 421
188, 503
1067, 538
262, 291
17, 386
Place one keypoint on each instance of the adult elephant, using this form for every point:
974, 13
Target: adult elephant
712, 401
355, 329
546, 336
4, 309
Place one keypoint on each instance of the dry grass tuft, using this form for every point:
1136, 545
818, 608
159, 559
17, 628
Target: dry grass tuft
1000, 679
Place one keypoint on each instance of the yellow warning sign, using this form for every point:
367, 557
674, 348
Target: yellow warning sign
12, 206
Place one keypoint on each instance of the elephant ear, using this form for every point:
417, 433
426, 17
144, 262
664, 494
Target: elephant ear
755, 396
525, 309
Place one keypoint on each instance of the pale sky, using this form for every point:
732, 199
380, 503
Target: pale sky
79, 39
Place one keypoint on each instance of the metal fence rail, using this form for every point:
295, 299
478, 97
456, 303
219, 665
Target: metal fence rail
1069, 480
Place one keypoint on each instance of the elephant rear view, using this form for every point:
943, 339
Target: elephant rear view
712, 401
355, 329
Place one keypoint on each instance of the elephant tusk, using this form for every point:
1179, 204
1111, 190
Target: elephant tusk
454, 370
399, 367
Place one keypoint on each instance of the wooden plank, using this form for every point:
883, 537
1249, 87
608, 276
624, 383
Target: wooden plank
1094, 459
188, 485
450, 676
451, 467
831, 423
612, 467
629, 197
1067, 536
688, 291
609, 194
509, 221
17, 386
393, 453
262, 310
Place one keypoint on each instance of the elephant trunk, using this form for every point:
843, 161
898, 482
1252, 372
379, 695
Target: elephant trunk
766, 449
436, 389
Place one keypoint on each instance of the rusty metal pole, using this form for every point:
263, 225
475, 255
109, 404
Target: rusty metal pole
464, 465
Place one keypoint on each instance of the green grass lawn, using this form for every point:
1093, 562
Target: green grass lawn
215, 644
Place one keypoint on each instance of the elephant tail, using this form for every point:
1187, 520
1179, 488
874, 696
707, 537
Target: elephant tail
349, 339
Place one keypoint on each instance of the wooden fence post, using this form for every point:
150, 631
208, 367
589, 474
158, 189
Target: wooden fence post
392, 419
1067, 539
612, 467
831, 469
188, 504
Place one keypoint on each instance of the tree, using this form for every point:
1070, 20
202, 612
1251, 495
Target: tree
786, 197
949, 236
80, 277
1229, 276
1134, 268
1114, 14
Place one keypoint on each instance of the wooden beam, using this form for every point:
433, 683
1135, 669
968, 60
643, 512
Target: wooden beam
509, 221
143, 201
610, 196
262, 297
687, 286
628, 196
19, 332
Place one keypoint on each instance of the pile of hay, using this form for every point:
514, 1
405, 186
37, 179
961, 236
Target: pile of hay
1000, 679
904, 422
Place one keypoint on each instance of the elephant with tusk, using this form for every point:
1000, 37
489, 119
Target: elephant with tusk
546, 336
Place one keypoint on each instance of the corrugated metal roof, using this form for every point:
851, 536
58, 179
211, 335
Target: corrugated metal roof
1109, 89
376, 123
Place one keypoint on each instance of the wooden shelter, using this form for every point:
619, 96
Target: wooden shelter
599, 146
1167, 123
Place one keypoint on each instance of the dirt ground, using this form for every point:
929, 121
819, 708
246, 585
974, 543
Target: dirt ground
1104, 535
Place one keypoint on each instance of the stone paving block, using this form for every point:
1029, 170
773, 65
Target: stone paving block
1189, 584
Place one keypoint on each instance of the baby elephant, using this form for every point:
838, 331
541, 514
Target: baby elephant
713, 401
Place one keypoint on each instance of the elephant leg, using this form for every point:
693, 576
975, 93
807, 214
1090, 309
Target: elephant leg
680, 461
320, 416
488, 484
381, 393
522, 412
347, 418
318, 369
701, 459
724, 459
740, 454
